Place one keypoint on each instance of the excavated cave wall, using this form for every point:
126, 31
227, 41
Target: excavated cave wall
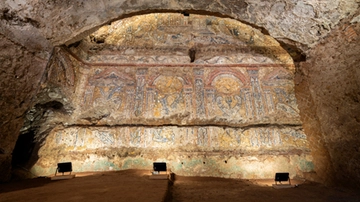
38, 25
332, 76
20, 74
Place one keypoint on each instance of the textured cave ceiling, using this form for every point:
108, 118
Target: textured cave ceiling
39, 25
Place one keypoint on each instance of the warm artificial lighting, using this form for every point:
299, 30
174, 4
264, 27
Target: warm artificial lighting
64, 167
158, 167
281, 177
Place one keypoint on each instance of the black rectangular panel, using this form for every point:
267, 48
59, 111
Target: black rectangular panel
160, 166
64, 167
281, 177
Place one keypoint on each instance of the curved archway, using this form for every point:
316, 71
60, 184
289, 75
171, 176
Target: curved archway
60, 21
116, 106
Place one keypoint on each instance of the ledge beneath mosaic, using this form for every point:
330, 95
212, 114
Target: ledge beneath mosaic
228, 165
207, 138
194, 151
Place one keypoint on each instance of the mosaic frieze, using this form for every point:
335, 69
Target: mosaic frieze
236, 95
207, 138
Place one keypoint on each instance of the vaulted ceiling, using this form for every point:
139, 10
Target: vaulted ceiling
39, 25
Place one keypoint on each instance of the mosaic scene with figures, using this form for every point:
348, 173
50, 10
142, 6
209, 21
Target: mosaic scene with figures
184, 85
238, 95
179, 100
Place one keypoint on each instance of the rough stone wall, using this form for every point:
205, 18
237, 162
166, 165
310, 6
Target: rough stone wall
27, 23
332, 73
322, 161
36, 23
20, 76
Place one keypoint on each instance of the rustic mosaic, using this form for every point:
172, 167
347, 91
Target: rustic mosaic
238, 94
192, 91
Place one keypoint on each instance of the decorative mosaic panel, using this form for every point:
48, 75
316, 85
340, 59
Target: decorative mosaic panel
210, 96
172, 137
232, 95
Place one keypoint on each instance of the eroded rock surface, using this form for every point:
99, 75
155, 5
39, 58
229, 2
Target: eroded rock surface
332, 75
20, 73
59, 22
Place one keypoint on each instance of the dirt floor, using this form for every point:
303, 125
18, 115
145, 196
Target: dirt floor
129, 185
135, 185
211, 189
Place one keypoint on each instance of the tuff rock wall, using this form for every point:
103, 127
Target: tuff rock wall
21, 71
328, 82
39, 25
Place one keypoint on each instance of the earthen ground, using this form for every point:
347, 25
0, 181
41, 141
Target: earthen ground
135, 185
129, 185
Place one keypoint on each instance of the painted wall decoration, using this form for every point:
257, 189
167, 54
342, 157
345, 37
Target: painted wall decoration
211, 96
236, 95
206, 138
166, 38
201, 150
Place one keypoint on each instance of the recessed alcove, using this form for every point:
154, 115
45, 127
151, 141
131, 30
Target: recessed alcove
186, 90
